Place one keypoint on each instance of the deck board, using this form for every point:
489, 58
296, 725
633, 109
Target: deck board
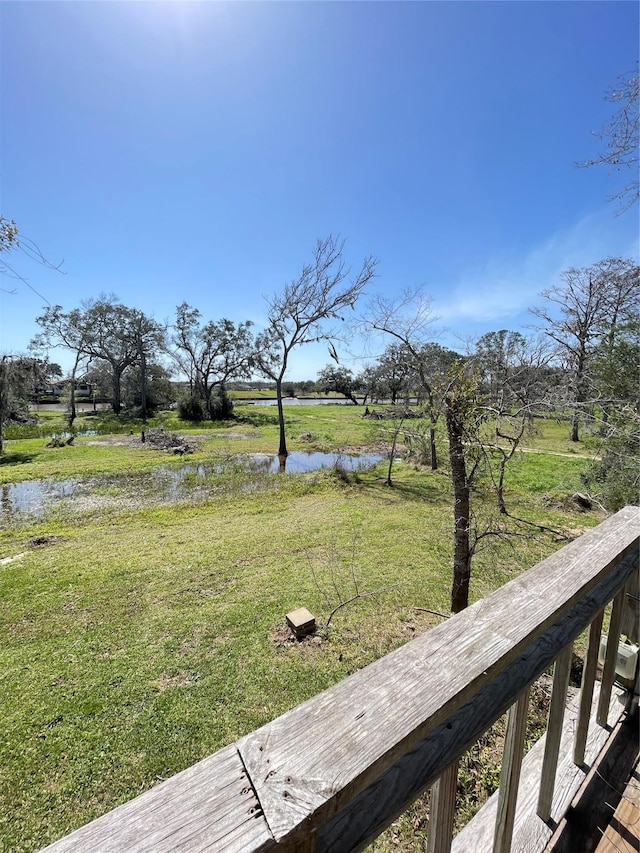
211, 805
531, 834
623, 833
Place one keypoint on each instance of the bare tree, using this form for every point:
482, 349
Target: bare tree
11, 240
322, 291
211, 353
409, 319
61, 330
579, 312
621, 137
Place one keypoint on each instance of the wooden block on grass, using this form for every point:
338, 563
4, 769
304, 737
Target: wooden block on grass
301, 622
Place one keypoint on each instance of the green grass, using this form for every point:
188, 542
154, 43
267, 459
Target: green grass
137, 641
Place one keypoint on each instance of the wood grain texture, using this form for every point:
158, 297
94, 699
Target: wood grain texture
442, 811
561, 675
609, 668
510, 775
373, 809
586, 688
311, 762
591, 808
209, 806
530, 833
623, 833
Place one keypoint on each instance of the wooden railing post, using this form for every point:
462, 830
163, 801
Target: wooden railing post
609, 668
442, 811
586, 690
510, 775
561, 675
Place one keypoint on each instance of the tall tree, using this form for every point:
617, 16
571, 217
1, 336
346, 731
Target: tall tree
296, 315
22, 377
409, 319
60, 330
577, 315
102, 330
461, 416
212, 353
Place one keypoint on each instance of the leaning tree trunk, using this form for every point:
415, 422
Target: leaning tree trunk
4, 398
581, 396
72, 392
143, 385
282, 447
432, 448
433, 453
116, 401
462, 513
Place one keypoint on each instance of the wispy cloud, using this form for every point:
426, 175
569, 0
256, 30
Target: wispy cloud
508, 286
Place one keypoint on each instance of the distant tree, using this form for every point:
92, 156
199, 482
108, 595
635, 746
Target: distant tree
395, 375
621, 137
579, 315
616, 359
102, 330
338, 379
144, 396
210, 354
61, 330
22, 377
614, 477
408, 319
296, 315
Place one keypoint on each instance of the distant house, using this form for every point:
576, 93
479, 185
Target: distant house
84, 390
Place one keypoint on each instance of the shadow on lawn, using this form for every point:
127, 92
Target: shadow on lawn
16, 458
423, 491
257, 419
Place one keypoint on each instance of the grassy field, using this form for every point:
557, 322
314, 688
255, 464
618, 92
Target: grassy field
138, 640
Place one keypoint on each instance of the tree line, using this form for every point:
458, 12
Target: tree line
580, 362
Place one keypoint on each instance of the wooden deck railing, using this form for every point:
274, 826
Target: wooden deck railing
332, 773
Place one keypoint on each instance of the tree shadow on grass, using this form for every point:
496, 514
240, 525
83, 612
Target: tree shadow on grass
258, 419
423, 491
16, 458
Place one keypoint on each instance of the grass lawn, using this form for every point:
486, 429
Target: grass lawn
137, 641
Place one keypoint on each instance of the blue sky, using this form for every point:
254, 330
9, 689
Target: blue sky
195, 151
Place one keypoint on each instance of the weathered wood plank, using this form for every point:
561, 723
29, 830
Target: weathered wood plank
591, 807
530, 832
209, 806
311, 762
510, 775
442, 811
373, 809
561, 675
609, 668
623, 833
586, 688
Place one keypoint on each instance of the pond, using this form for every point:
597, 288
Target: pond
193, 482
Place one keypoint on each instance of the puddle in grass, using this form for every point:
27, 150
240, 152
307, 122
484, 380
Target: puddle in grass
165, 484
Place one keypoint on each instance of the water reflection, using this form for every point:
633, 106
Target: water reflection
167, 483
